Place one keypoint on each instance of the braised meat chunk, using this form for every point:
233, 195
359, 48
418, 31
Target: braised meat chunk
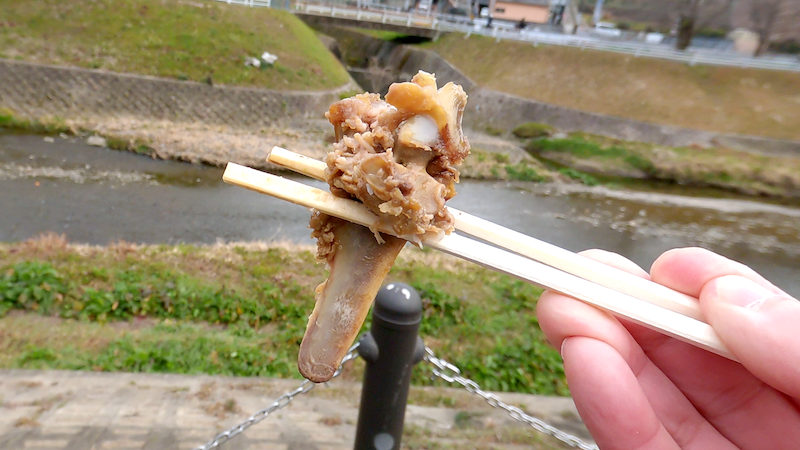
398, 157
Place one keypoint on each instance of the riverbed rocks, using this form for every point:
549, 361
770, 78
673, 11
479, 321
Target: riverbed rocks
97, 141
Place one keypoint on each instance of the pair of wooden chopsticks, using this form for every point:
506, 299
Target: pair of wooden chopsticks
621, 293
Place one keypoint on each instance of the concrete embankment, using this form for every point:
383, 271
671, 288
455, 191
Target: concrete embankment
176, 119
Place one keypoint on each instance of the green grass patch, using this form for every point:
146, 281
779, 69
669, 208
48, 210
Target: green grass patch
592, 159
577, 175
383, 35
524, 172
53, 125
198, 41
242, 310
530, 130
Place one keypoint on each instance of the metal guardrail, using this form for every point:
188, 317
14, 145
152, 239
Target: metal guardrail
499, 30
691, 57
251, 3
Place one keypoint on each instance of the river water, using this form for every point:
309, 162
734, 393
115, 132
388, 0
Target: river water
96, 195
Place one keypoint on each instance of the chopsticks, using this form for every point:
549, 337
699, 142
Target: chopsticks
533, 248
665, 319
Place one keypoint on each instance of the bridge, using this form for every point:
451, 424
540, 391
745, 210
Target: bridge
408, 23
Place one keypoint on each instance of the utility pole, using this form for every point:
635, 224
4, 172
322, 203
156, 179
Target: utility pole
598, 11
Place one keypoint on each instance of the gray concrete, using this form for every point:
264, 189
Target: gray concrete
49, 410
39, 90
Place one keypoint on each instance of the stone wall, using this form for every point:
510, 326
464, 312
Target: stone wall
36, 90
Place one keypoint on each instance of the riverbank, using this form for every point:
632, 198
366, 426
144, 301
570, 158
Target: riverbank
534, 152
717, 99
214, 309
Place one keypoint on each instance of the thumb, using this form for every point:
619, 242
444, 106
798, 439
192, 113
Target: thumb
759, 325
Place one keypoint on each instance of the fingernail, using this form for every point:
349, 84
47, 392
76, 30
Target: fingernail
561, 350
740, 291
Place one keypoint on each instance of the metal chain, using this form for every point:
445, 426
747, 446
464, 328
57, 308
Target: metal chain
452, 374
279, 403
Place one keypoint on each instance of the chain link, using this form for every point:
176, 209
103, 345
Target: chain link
442, 369
280, 402
452, 374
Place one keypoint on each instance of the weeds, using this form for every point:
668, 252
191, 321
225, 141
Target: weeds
523, 172
54, 125
584, 178
31, 285
531, 130
242, 311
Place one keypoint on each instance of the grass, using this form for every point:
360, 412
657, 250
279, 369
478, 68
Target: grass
199, 41
530, 130
588, 158
721, 99
383, 35
242, 310
56, 125
473, 432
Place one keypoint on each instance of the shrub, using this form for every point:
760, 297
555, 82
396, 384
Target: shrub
33, 285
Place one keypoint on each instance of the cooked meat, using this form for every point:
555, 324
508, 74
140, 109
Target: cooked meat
397, 157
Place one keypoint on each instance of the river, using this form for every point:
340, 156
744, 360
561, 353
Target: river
97, 196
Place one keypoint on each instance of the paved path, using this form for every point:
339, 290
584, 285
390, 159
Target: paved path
87, 410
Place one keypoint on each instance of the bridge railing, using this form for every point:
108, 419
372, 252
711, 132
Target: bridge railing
533, 33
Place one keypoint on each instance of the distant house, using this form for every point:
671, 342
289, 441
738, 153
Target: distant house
532, 11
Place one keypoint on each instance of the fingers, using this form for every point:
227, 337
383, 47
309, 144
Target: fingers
689, 269
759, 326
594, 344
609, 398
753, 317
737, 398
615, 260
561, 316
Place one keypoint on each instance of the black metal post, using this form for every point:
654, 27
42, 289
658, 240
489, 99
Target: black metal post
391, 349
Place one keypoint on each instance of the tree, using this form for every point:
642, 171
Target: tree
694, 14
764, 15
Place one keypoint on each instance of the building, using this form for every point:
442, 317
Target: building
531, 11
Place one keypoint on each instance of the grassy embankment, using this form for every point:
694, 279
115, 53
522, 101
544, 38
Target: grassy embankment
242, 310
593, 159
198, 41
721, 99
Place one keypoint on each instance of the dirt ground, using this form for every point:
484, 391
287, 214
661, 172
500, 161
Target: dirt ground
218, 144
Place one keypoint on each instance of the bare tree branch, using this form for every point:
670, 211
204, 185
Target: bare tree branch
764, 15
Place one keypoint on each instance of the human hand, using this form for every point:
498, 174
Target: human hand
637, 388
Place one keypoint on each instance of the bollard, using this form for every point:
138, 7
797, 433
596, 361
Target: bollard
391, 349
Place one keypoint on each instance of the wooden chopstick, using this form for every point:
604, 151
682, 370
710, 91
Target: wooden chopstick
525, 245
652, 316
